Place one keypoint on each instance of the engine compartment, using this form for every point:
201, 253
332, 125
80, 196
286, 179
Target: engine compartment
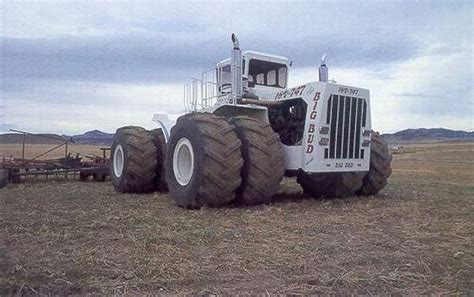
288, 120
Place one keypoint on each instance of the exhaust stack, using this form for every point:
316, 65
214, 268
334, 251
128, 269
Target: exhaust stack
236, 70
323, 70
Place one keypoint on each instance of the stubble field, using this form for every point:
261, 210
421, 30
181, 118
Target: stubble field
416, 237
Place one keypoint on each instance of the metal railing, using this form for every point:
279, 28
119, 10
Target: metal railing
201, 93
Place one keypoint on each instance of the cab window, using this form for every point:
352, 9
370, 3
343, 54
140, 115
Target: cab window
224, 76
266, 73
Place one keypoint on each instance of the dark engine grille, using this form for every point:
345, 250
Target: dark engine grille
345, 116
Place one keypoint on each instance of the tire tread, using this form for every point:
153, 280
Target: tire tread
263, 161
380, 167
140, 173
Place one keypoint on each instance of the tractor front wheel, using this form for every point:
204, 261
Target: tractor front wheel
203, 161
133, 166
380, 167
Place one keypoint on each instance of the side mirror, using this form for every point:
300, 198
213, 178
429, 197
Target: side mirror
247, 82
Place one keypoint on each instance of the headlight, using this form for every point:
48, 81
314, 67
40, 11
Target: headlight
324, 141
324, 130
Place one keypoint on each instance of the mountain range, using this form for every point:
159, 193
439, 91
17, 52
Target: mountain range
422, 134
96, 137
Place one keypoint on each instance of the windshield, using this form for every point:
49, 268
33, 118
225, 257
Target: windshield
266, 73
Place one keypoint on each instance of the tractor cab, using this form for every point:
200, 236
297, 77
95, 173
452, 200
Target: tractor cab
263, 74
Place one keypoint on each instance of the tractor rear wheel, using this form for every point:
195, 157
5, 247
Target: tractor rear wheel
331, 185
133, 165
160, 144
263, 167
203, 161
380, 167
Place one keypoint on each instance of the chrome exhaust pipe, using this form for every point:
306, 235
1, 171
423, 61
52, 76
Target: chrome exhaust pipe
236, 70
267, 103
323, 70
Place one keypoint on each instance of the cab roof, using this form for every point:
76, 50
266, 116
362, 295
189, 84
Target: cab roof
260, 56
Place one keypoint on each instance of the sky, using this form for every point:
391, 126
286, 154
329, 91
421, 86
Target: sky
70, 67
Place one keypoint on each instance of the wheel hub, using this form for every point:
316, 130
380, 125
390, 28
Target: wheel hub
183, 161
118, 160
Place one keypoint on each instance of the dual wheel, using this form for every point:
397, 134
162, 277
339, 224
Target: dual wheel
209, 160
215, 161
350, 183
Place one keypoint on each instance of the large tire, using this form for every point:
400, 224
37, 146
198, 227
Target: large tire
330, 185
380, 167
138, 165
160, 144
263, 167
312, 184
203, 161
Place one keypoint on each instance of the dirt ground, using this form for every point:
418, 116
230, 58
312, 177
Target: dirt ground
416, 237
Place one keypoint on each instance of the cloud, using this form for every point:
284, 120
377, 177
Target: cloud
437, 82
105, 106
143, 43
77, 65
95, 59
432, 90
161, 57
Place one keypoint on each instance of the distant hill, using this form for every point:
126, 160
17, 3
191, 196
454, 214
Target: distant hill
422, 134
94, 137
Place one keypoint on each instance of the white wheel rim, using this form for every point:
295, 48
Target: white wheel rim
183, 161
118, 160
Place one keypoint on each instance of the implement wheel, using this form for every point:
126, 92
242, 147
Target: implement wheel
263, 168
99, 177
203, 161
380, 167
133, 160
4, 173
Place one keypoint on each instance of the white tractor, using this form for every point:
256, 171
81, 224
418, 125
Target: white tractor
244, 129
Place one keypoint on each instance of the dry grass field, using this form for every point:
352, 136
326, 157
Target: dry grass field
416, 237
